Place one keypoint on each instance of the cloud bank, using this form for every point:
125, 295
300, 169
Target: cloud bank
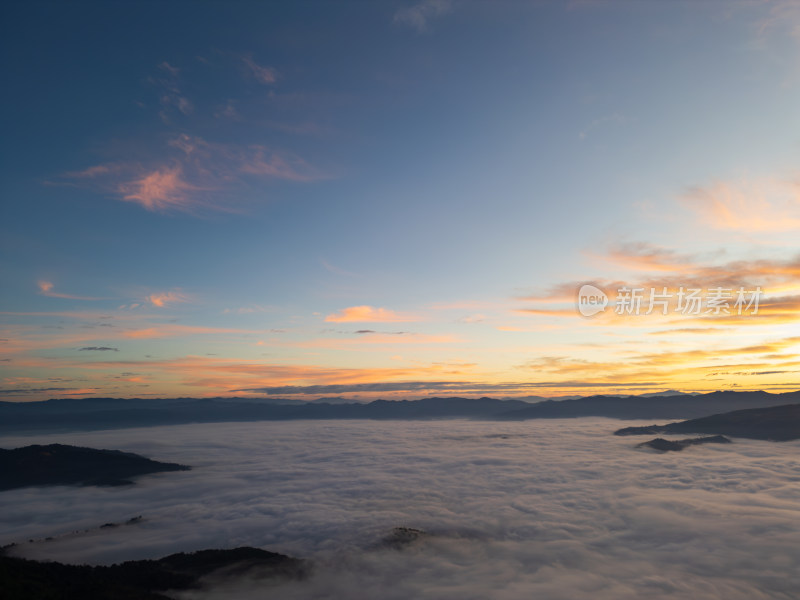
555, 509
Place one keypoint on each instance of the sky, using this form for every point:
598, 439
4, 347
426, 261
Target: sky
398, 199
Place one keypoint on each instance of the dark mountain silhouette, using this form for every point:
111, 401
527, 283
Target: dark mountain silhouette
664, 393
653, 407
663, 445
58, 464
111, 413
778, 423
22, 579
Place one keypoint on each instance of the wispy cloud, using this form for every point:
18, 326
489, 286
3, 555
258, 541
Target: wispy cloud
190, 174
197, 175
337, 270
250, 309
662, 267
161, 190
92, 172
643, 256
355, 314
162, 299
757, 205
262, 161
265, 75
615, 119
171, 97
390, 340
380, 386
173, 330
46, 289
418, 16
665, 279
98, 349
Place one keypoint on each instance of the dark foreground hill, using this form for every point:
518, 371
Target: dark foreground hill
778, 423
22, 579
58, 464
113, 413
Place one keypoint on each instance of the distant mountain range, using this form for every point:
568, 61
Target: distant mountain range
113, 413
58, 464
674, 406
778, 423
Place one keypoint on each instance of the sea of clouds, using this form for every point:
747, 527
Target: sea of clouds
549, 509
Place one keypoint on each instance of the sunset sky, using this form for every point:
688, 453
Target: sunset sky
396, 199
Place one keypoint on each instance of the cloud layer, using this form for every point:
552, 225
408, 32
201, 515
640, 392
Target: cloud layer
556, 509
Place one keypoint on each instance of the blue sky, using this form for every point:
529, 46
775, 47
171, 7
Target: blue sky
226, 194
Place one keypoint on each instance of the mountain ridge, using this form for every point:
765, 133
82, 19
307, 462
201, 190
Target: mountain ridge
69, 414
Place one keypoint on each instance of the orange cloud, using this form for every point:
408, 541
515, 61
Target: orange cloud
161, 190
195, 170
642, 256
369, 314
666, 269
162, 299
46, 289
172, 330
378, 340
764, 205
663, 367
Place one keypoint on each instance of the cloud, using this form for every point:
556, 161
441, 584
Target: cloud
99, 348
395, 386
251, 309
755, 206
190, 174
390, 339
614, 119
46, 289
91, 172
476, 318
644, 256
162, 299
265, 75
161, 190
201, 174
782, 20
370, 314
261, 161
661, 268
172, 330
337, 270
418, 16
681, 368
170, 94
173, 71
561, 510
61, 390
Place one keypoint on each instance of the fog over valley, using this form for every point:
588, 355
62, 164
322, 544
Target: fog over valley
557, 508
